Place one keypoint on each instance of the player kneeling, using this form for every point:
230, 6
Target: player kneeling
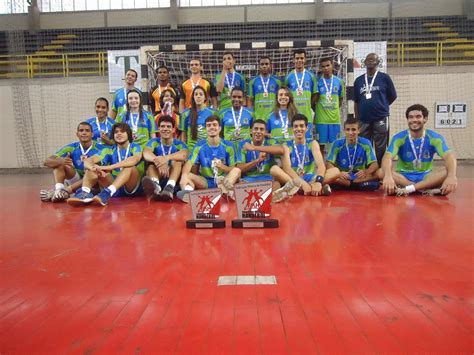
304, 162
415, 148
166, 155
215, 158
355, 159
120, 170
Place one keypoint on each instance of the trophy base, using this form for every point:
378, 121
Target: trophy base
255, 223
205, 223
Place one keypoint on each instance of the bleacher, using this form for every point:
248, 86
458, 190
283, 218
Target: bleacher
371, 29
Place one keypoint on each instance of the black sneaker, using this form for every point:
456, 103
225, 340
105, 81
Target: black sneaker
168, 193
150, 187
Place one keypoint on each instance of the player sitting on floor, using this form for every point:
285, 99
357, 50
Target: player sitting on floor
355, 159
303, 160
215, 158
166, 155
256, 161
68, 164
415, 148
120, 171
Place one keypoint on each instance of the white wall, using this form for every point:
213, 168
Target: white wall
58, 105
235, 14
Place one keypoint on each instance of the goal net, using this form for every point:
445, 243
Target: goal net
177, 59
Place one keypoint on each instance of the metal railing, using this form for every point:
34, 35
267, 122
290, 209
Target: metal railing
53, 65
434, 53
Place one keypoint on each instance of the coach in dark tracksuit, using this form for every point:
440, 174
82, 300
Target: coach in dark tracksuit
374, 92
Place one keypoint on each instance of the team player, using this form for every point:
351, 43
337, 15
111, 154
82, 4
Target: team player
68, 164
255, 156
303, 160
120, 170
141, 122
101, 123
355, 159
216, 160
236, 120
119, 101
196, 79
255, 159
193, 121
279, 121
227, 80
329, 96
166, 155
302, 84
415, 149
162, 83
263, 89
374, 92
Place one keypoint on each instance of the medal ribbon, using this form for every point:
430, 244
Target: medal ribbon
230, 84
98, 125
265, 85
328, 90
300, 160
351, 161
298, 83
412, 144
367, 87
237, 122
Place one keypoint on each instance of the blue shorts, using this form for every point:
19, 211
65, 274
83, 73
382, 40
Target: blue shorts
415, 176
122, 192
309, 178
263, 177
327, 133
211, 183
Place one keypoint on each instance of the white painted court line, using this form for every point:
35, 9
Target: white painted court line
232, 280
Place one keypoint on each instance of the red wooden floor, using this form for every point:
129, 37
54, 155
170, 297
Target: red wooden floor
356, 273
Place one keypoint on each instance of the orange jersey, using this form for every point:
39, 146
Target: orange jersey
156, 94
188, 86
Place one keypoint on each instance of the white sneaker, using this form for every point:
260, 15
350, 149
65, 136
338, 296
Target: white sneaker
432, 192
46, 195
401, 192
60, 195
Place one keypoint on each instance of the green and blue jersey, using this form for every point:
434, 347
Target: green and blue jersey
185, 125
309, 87
160, 149
301, 154
327, 109
114, 154
74, 151
119, 101
233, 80
98, 127
245, 120
432, 143
359, 155
203, 154
262, 169
263, 103
142, 127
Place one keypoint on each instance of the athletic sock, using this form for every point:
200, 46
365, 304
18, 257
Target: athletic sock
410, 188
86, 189
171, 182
188, 188
112, 190
59, 186
156, 180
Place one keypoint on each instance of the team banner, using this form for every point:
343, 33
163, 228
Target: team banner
361, 49
119, 62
